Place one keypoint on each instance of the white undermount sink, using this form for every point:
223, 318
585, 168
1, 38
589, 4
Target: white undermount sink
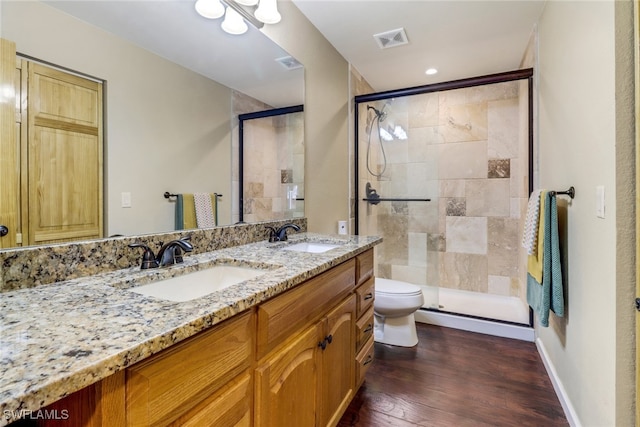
311, 247
199, 283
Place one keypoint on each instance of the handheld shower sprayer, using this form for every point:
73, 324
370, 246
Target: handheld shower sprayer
380, 115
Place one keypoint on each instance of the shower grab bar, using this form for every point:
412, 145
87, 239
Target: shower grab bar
571, 192
394, 200
374, 198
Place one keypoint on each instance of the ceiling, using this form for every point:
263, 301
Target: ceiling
459, 38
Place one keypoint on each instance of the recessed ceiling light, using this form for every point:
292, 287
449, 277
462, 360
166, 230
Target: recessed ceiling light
431, 71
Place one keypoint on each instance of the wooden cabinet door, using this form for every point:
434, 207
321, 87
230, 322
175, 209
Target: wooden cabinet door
337, 380
9, 156
287, 383
64, 156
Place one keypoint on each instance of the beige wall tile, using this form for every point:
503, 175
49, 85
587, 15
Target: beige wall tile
466, 235
503, 246
464, 271
503, 128
488, 197
423, 110
462, 160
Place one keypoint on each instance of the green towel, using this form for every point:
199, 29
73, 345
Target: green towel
548, 295
179, 213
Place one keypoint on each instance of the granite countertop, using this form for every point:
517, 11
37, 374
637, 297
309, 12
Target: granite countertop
59, 338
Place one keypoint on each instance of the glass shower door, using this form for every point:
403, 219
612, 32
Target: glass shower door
398, 181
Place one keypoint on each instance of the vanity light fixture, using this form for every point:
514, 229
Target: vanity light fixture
238, 12
233, 22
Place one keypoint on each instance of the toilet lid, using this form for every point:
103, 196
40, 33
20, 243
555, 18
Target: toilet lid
395, 287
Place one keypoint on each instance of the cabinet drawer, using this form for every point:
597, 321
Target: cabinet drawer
166, 386
280, 317
364, 269
364, 329
366, 294
229, 406
363, 361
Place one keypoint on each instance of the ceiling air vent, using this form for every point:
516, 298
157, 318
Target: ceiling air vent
289, 62
391, 38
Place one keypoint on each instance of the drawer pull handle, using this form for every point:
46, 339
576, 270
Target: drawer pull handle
329, 338
368, 328
368, 296
369, 360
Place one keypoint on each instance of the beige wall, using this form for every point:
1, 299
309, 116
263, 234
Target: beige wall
584, 142
326, 118
167, 128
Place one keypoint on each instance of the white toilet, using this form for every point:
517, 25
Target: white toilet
393, 310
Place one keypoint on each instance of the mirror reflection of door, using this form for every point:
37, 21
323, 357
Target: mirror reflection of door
59, 152
9, 159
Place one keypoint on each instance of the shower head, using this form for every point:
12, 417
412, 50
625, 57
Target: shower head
381, 115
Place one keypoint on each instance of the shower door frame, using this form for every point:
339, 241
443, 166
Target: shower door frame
251, 116
525, 73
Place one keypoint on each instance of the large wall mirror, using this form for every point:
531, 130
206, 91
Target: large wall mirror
174, 86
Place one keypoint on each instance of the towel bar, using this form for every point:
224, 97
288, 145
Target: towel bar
571, 192
167, 195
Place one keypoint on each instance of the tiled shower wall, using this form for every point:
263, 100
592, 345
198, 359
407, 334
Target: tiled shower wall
467, 151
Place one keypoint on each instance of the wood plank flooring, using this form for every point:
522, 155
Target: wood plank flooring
456, 378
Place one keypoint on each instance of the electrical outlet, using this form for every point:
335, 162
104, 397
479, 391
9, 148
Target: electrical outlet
342, 227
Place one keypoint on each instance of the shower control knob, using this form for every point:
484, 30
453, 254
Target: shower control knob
3, 230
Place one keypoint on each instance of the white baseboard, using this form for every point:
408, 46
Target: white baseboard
523, 333
569, 411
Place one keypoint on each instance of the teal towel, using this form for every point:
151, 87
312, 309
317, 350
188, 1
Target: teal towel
548, 295
179, 213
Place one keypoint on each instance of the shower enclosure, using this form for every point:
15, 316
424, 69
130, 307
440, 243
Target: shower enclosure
271, 164
443, 174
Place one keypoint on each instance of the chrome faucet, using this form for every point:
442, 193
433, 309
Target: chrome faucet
169, 254
280, 234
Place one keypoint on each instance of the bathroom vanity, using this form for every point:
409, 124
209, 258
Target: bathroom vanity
288, 347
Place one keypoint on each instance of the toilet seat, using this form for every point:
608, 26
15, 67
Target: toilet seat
396, 288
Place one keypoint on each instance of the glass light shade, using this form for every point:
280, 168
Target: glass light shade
211, 9
267, 12
233, 22
247, 2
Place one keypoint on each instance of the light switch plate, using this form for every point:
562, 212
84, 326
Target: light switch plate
126, 200
600, 204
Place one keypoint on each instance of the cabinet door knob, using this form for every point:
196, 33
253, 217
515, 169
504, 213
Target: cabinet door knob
328, 338
322, 344
3, 230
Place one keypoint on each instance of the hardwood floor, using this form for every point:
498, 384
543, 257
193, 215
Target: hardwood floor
456, 378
